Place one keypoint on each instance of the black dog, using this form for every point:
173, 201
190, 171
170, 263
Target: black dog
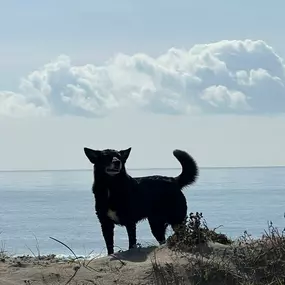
123, 200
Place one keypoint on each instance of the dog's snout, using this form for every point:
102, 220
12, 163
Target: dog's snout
117, 163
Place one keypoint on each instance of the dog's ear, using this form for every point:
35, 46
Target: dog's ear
125, 153
92, 154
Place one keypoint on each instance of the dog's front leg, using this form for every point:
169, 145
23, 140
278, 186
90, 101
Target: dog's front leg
131, 230
108, 233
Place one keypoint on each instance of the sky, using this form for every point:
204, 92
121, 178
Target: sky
204, 76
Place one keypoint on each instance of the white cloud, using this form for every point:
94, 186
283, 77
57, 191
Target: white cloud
239, 77
220, 97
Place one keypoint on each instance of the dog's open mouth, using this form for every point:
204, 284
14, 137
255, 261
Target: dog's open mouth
113, 170
114, 167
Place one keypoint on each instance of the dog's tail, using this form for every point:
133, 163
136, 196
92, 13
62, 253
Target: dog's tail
189, 168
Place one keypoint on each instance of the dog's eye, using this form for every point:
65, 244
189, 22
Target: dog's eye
106, 158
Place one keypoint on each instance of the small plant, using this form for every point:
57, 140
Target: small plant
194, 232
3, 252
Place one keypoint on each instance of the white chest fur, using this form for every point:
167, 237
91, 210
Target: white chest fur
112, 214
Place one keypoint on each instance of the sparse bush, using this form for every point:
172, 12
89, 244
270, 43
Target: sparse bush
246, 261
195, 232
261, 261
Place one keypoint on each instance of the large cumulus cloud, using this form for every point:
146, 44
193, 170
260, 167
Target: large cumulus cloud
239, 77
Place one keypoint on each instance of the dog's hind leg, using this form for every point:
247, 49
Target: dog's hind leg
158, 228
179, 229
131, 230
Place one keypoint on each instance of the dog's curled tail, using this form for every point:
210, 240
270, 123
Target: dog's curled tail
189, 168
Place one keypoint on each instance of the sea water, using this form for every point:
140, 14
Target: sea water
37, 205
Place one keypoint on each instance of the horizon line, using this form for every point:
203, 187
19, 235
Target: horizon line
142, 168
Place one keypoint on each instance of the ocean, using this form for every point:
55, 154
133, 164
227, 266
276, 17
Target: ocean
37, 205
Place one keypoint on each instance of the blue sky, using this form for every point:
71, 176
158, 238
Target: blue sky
60, 63
34, 32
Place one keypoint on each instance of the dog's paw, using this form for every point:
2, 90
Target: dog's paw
136, 246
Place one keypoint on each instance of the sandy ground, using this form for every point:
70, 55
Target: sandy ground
129, 267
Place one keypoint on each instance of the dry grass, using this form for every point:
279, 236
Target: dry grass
245, 261
3, 252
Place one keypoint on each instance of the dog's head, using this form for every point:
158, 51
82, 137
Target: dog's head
108, 161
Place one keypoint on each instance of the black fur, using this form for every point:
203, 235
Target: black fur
156, 198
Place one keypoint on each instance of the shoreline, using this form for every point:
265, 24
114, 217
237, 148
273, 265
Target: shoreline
238, 262
55, 256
